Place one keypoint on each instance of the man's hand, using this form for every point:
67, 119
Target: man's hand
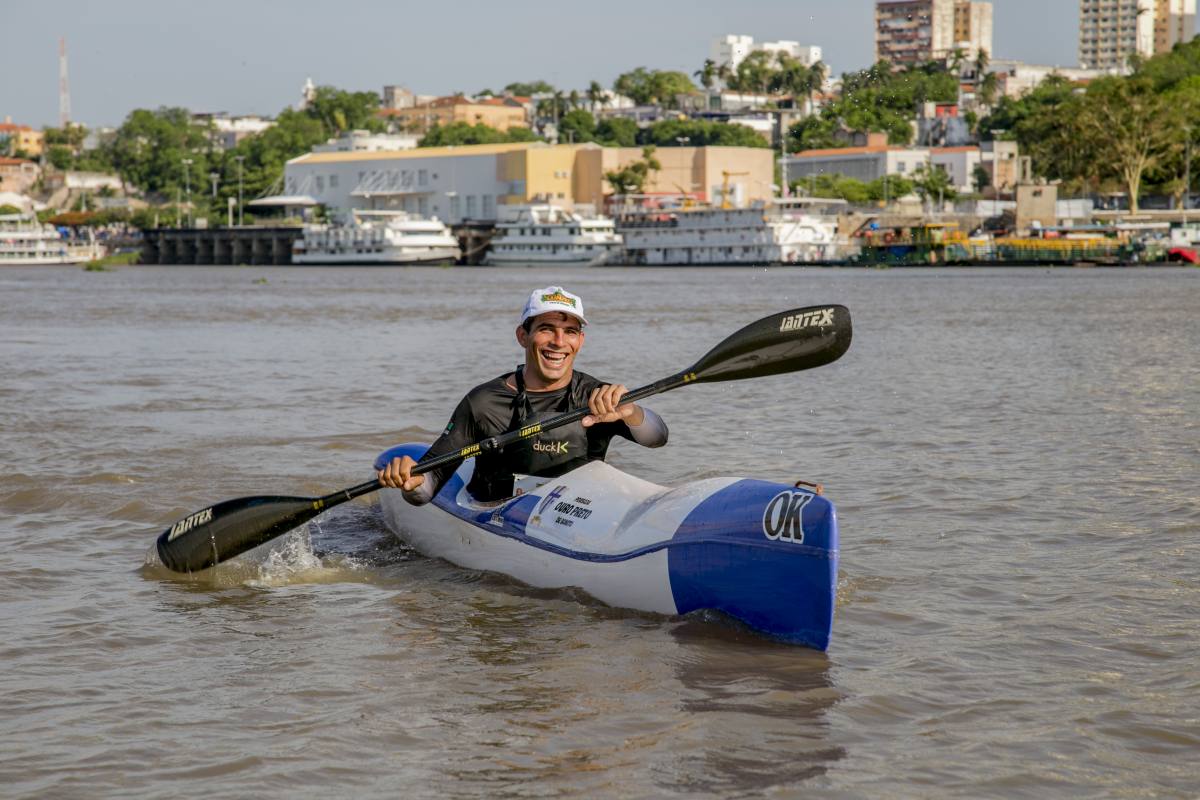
603, 404
398, 474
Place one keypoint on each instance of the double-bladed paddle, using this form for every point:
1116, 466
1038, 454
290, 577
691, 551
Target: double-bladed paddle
789, 341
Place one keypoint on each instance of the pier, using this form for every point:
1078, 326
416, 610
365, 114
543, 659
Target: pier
245, 245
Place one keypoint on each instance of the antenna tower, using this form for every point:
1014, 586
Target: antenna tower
64, 93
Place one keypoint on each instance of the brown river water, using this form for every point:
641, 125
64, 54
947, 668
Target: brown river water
1015, 456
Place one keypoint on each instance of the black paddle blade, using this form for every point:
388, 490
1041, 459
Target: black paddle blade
802, 338
216, 534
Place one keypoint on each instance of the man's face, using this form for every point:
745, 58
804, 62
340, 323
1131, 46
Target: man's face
550, 347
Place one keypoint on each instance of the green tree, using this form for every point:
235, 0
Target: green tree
461, 133
646, 87
632, 178
341, 111
1134, 125
597, 96
529, 88
617, 132
577, 126
932, 183
701, 133
980, 178
707, 74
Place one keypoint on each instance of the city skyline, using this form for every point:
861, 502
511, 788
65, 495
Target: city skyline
253, 59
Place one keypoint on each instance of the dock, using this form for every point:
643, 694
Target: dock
244, 245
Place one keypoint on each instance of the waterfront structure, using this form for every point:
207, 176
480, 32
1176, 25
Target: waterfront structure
384, 238
548, 234
1113, 31
909, 32
473, 182
25, 242
500, 113
20, 138
732, 49
18, 174
871, 162
783, 232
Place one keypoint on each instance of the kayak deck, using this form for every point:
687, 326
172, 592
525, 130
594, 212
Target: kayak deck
764, 553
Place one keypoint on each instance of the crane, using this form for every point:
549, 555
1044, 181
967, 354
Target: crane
725, 176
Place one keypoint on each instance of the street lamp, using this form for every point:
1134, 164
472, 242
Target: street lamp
187, 187
214, 177
239, 159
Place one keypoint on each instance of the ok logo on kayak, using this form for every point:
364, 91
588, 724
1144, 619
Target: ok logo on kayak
781, 519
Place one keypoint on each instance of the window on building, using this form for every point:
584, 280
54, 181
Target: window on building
470, 206
333, 181
423, 177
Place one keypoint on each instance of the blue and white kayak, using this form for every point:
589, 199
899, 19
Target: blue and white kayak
763, 553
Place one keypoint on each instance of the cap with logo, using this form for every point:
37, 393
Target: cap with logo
553, 298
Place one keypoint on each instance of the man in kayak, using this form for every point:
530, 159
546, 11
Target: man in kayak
551, 333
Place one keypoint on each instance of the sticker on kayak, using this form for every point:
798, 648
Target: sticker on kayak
781, 519
809, 319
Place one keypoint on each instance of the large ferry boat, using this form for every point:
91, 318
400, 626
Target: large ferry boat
547, 234
25, 242
784, 232
377, 237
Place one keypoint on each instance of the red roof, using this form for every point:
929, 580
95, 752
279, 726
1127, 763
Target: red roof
9, 127
13, 162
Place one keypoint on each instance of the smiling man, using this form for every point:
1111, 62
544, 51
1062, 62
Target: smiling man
547, 384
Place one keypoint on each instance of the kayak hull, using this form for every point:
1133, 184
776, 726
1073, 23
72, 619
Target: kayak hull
763, 553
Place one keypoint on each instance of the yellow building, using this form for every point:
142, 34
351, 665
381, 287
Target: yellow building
500, 113
471, 182
22, 138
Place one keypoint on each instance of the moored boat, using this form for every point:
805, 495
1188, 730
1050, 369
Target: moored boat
25, 242
763, 553
377, 238
548, 234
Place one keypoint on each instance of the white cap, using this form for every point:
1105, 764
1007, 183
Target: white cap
553, 298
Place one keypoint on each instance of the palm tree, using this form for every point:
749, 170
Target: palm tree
815, 83
596, 95
707, 73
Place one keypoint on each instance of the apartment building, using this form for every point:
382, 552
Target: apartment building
1174, 23
1112, 31
910, 32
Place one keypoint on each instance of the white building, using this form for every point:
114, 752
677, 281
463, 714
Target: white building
1110, 31
356, 141
228, 130
804, 53
871, 163
732, 49
1015, 78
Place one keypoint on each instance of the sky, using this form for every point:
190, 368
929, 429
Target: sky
253, 56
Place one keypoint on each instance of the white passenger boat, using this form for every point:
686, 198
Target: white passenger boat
547, 234
377, 237
26, 242
784, 232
